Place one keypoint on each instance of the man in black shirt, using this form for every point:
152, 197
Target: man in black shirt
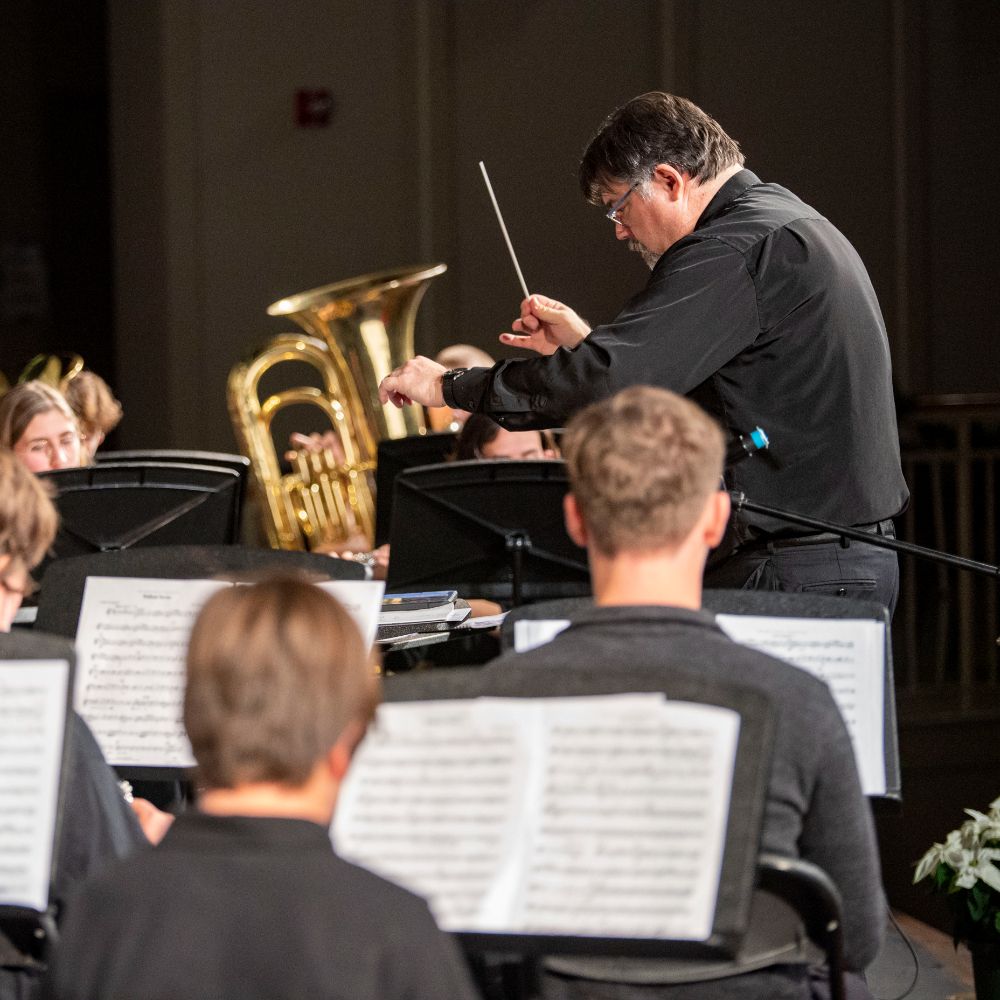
757, 308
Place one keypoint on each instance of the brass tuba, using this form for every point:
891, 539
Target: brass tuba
358, 331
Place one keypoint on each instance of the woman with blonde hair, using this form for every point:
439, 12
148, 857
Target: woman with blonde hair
37, 424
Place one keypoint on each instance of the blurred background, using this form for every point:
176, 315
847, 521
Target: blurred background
171, 167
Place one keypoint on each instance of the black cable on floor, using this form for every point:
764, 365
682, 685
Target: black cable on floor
913, 955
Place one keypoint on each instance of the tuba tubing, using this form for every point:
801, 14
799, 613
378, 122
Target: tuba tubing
357, 331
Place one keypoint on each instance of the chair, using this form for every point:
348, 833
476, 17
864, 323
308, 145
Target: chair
63, 584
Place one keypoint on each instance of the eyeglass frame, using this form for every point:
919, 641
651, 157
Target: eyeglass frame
612, 213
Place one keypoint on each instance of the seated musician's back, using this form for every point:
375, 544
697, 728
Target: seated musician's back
644, 470
245, 896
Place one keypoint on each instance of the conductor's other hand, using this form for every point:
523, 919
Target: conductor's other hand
545, 325
418, 381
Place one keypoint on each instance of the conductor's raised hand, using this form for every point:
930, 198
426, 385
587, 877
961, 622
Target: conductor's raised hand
545, 325
418, 381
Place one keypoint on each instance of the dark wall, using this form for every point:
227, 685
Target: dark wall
882, 114
55, 224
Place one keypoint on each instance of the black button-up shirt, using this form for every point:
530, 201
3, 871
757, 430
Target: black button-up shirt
765, 315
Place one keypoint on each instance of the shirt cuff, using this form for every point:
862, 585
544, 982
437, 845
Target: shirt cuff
463, 388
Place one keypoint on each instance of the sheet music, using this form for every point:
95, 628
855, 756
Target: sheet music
528, 634
131, 645
362, 600
581, 816
849, 655
32, 726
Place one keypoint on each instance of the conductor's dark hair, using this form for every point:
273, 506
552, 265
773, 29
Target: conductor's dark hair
650, 129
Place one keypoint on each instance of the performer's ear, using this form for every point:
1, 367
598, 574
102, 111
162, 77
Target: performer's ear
670, 179
339, 755
575, 526
717, 517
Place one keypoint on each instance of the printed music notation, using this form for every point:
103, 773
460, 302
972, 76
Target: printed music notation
849, 655
32, 726
583, 816
131, 645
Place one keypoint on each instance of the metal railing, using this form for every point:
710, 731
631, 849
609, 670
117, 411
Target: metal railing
946, 625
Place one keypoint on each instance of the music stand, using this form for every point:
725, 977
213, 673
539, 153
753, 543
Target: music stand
31, 928
398, 455
116, 505
493, 529
777, 604
61, 595
746, 807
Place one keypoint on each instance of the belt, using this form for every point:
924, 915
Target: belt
884, 528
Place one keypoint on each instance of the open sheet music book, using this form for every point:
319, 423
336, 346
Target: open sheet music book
131, 645
847, 653
592, 816
33, 705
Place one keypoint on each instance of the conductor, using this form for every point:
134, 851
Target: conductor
757, 308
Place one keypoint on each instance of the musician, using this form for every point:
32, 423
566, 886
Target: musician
244, 897
758, 308
483, 438
97, 411
98, 824
644, 471
37, 424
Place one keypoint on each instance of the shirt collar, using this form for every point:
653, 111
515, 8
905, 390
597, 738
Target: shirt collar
729, 192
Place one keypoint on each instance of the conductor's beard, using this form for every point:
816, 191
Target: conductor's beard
648, 256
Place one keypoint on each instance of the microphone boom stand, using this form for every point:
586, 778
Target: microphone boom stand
740, 502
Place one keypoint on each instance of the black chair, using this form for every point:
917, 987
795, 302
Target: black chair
63, 583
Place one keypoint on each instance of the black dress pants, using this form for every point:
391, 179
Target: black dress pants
816, 564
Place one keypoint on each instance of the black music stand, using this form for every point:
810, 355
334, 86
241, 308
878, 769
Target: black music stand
776, 604
396, 456
765, 903
63, 584
491, 529
117, 505
32, 931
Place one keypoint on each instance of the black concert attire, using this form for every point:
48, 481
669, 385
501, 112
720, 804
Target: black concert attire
98, 827
764, 315
250, 907
815, 808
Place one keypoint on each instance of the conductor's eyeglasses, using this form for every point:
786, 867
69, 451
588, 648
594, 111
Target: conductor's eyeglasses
613, 212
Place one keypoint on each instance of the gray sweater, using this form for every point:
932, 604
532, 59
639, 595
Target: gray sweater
815, 808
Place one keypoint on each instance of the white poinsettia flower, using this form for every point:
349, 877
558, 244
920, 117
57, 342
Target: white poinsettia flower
986, 827
927, 864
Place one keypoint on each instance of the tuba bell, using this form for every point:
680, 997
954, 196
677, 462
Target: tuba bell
357, 331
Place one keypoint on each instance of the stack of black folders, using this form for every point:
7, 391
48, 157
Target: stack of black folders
413, 614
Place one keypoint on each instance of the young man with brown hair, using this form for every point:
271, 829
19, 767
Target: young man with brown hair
245, 897
644, 469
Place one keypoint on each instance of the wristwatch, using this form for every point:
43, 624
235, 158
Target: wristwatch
447, 382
